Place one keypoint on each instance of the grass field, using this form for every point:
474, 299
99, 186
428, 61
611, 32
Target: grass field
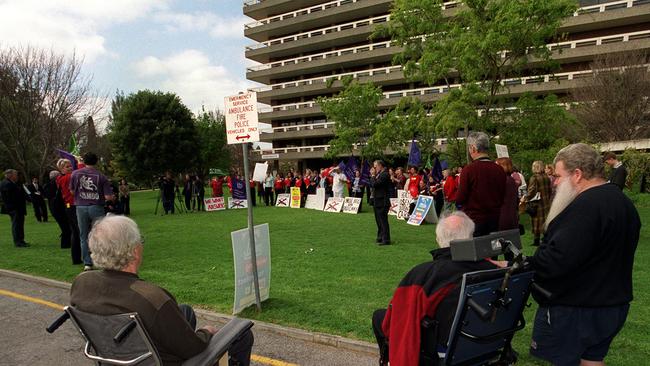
327, 273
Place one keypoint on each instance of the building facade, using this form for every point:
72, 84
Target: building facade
305, 48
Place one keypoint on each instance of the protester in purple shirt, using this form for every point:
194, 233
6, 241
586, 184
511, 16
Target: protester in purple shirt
91, 190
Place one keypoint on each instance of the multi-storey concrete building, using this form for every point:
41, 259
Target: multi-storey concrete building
303, 44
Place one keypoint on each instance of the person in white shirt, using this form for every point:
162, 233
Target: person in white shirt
339, 181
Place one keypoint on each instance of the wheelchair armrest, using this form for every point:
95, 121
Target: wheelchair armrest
220, 342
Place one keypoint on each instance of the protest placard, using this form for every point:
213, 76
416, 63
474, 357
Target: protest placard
235, 203
282, 200
394, 203
312, 202
259, 174
422, 207
404, 202
334, 204
502, 151
244, 287
214, 204
295, 197
351, 205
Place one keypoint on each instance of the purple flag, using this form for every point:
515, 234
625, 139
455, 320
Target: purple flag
365, 173
238, 188
415, 158
436, 172
66, 155
351, 167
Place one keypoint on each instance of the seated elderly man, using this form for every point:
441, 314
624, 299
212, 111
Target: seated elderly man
423, 292
117, 247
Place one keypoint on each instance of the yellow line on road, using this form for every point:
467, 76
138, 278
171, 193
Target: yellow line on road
270, 361
256, 358
30, 299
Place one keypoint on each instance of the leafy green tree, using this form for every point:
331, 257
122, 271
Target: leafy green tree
536, 130
485, 42
214, 152
152, 132
355, 113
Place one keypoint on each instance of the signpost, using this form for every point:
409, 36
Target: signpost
241, 128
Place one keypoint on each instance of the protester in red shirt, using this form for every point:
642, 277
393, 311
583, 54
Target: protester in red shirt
278, 185
217, 187
414, 182
450, 189
287, 183
63, 182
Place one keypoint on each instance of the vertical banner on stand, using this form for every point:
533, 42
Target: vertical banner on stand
404, 202
422, 208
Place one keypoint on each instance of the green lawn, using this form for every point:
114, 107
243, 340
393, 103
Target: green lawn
333, 288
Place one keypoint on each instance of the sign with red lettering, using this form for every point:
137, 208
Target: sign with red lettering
241, 118
214, 204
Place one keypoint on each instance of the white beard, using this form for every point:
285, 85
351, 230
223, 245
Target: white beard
564, 195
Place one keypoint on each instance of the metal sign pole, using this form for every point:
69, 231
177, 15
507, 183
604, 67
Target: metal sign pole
251, 230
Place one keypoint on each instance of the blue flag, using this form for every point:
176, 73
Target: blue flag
415, 157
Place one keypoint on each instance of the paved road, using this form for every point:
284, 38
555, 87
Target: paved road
25, 342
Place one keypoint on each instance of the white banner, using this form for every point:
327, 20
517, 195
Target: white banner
259, 174
351, 205
334, 204
283, 200
236, 203
214, 204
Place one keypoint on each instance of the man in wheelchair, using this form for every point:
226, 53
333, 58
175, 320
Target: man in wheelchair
429, 290
117, 248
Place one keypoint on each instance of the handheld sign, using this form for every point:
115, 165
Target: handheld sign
502, 151
351, 205
241, 118
214, 204
259, 174
244, 287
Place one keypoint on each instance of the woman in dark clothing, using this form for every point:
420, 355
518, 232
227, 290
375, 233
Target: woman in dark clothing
509, 216
539, 192
125, 197
187, 192
57, 208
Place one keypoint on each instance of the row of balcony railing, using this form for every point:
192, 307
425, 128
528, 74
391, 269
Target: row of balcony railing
446, 5
594, 41
418, 92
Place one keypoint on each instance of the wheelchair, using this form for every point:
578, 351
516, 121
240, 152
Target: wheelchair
121, 339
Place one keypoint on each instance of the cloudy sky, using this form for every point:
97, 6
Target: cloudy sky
192, 48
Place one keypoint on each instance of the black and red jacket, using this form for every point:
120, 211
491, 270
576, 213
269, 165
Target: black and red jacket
418, 295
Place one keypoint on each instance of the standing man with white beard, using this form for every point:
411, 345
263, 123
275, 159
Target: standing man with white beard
585, 261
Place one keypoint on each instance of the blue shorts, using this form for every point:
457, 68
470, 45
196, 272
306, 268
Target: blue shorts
564, 335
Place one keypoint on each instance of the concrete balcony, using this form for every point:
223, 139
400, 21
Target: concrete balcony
322, 15
260, 9
564, 52
608, 15
323, 129
538, 84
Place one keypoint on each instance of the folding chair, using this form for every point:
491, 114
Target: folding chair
121, 339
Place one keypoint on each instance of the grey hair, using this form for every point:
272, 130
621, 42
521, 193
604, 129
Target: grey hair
54, 174
112, 242
449, 229
584, 157
538, 167
61, 163
9, 172
480, 140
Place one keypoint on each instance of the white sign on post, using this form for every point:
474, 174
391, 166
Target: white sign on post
244, 288
259, 174
502, 151
241, 118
